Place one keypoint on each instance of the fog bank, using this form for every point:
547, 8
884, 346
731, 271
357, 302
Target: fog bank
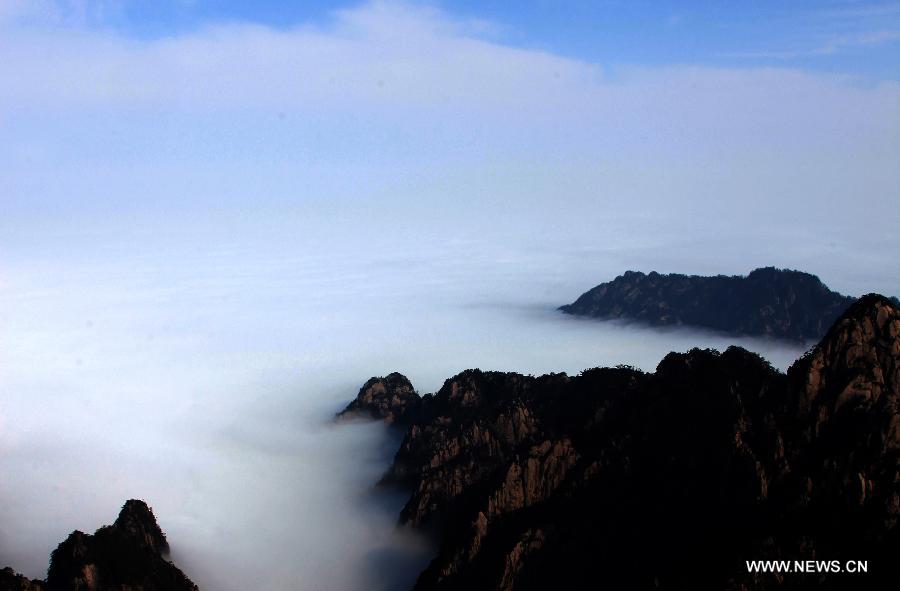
202, 378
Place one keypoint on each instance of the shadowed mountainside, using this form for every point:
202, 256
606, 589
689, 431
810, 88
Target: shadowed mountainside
10, 580
128, 555
622, 479
769, 301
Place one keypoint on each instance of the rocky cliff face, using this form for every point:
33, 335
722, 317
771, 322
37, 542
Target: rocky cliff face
774, 302
391, 398
126, 556
621, 479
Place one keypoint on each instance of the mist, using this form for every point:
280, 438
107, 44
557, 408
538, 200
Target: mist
203, 378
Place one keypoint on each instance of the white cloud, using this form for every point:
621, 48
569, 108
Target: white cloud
15, 11
381, 53
406, 105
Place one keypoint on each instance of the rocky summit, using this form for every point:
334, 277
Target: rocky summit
391, 398
621, 479
768, 302
128, 555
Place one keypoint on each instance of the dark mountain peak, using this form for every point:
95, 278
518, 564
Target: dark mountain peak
10, 580
774, 272
391, 398
125, 555
395, 379
474, 390
467, 386
769, 301
732, 356
688, 357
776, 279
136, 521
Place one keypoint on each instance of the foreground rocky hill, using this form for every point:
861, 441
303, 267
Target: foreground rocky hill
620, 479
128, 555
772, 302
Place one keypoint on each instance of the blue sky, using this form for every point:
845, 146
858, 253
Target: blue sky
845, 36
741, 131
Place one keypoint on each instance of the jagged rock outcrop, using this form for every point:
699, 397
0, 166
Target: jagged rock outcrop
773, 302
471, 428
129, 555
391, 398
621, 479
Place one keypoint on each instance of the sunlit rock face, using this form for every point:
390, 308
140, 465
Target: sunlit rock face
127, 555
618, 478
847, 392
391, 398
773, 302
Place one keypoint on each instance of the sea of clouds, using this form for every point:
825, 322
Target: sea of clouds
204, 381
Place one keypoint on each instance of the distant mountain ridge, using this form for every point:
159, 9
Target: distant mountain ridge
622, 479
772, 302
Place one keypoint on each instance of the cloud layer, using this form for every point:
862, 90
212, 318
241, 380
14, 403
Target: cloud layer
403, 112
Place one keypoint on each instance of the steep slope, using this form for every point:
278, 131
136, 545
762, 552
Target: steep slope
626, 480
128, 555
773, 302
